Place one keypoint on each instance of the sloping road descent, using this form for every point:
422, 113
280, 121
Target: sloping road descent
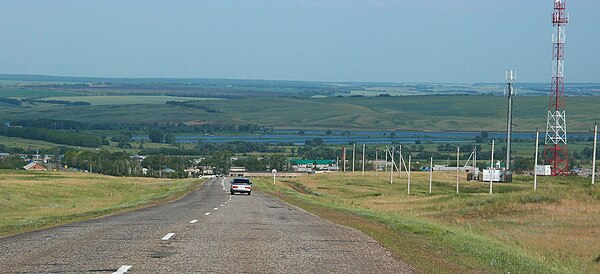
208, 231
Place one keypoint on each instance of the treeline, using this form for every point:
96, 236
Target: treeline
11, 101
166, 127
18, 102
202, 148
54, 136
237, 147
122, 164
104, 162
51, 124
57, 102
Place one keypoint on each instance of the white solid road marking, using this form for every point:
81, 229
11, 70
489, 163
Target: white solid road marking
122, 269
193, 221
168, 236
207, 213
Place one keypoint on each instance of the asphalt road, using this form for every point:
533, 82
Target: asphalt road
208, 231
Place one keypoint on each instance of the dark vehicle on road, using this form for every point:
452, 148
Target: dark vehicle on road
240, 185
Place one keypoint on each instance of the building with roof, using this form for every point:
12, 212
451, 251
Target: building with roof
34, 166
307, 165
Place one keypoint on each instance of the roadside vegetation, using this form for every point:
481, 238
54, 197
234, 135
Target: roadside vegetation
35, 200
516, 230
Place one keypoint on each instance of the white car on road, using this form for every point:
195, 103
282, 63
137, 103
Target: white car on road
240, 185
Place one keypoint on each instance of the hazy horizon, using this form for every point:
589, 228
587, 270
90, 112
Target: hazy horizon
431, 41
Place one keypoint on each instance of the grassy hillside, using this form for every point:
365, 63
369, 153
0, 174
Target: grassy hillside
435, 113
465, 113
516, 230
33, 200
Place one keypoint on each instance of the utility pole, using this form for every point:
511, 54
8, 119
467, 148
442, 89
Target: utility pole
376, 159
409, 159
387, 151
344, 157
537, 143
510, 77
363, 160
457, 166
594, 154
492, 167
430, 173
392, 169
353, 156
400, 161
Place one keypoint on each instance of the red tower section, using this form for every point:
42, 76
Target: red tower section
555, 152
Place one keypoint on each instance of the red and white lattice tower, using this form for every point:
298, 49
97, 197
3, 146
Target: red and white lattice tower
556, 152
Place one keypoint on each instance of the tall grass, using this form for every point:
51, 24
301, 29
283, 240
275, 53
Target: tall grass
517, 230
32, 200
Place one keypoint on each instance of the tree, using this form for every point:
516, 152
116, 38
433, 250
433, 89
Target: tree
156, 136
170, 139
11, 162
314, 142
483, 136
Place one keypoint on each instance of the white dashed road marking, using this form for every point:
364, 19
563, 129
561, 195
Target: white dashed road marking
122, 269
168, 236
221, 205
215, 208
193, 221
207, 213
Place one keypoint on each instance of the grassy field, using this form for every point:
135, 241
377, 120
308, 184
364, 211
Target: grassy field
427, 113
516, 230
34, 200
127, 100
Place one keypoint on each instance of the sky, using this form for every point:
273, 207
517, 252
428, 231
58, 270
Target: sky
443, 41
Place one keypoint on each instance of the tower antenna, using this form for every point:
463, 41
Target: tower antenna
510, 78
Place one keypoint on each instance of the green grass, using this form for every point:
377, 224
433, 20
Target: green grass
26, 143
34, 200
127, 99
514, 230
434, 113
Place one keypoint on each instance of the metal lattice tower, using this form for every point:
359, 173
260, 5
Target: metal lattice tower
555, 151
510, 78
